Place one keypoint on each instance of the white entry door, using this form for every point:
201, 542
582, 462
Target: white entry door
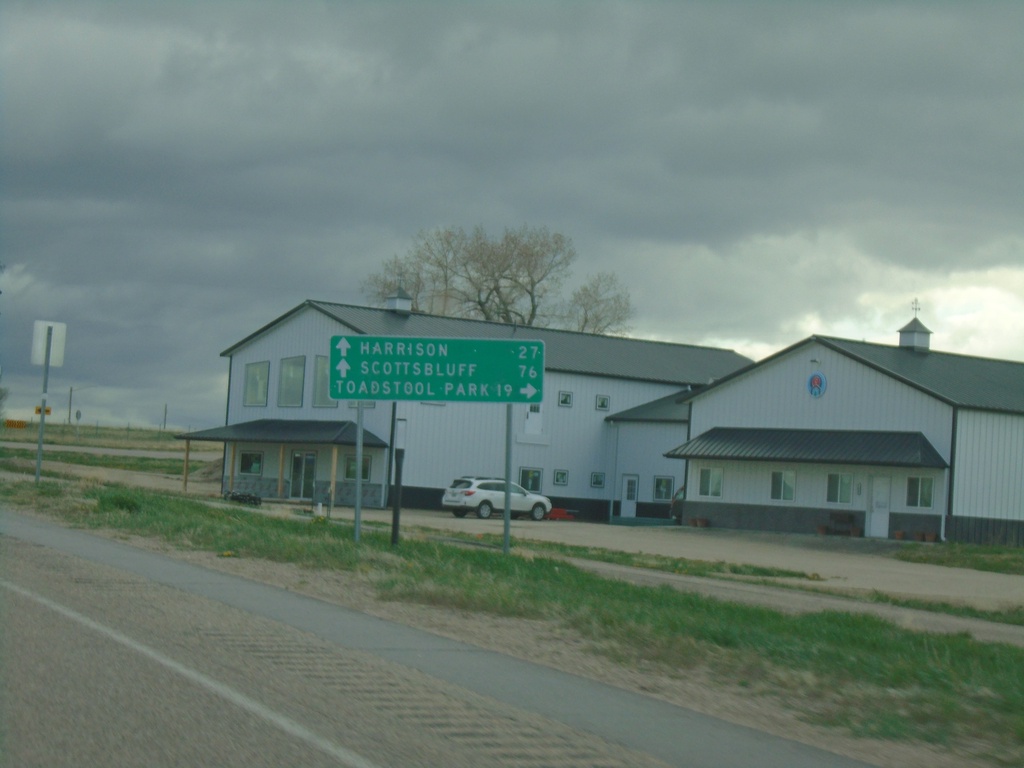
630, 487
878, 514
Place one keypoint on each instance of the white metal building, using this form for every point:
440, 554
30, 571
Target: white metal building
838, 435
594, 445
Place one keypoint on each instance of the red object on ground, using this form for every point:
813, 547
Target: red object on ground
557, 513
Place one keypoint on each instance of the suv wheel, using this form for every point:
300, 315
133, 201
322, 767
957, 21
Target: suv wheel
484, 510
537, 513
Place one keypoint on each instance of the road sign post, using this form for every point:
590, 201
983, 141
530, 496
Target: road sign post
437, 370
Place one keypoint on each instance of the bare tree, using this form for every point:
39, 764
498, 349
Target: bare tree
601, 305
514, 279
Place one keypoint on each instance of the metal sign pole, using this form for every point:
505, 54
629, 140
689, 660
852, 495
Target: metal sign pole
359, 468
42, 409
508, 477
396, 506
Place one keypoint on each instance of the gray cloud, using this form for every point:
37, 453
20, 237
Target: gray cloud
176, 175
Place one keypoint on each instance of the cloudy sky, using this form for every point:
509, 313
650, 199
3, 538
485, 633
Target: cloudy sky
174, 175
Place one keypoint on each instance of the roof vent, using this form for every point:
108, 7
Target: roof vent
399, 302
914, 335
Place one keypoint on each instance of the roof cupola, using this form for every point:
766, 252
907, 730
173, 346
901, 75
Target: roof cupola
914, 335
399, 302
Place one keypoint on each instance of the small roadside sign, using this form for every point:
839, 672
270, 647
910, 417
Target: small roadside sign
436, 369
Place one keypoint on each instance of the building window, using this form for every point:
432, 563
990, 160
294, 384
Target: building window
322, 383
350, 468
293, 376
561, 477
257, 378
530, 478
565, 399
710, 482
919, 492
250, 463
597, 479
366, 403
783, 485
840, 489
602, 402
663, 487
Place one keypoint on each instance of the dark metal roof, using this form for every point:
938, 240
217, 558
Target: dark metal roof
812, 446
565, 351
961, 380
665, 409
287, 431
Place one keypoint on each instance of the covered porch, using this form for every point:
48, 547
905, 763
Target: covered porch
286, 459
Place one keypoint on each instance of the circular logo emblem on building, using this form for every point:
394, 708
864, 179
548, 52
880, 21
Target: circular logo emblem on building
817, 384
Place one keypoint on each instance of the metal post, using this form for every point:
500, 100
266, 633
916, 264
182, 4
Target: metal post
359, 469
42, 409
508, 478
396, 507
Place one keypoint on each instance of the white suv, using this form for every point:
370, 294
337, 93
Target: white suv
486, 494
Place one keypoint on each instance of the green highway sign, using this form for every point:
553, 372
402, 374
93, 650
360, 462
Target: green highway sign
442, 370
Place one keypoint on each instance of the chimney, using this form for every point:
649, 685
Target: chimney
915, 336
399, 302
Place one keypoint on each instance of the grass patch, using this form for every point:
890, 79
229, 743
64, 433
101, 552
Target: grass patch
101, 437
13, 459
953, 555
854, 672
1014, 616
678, 565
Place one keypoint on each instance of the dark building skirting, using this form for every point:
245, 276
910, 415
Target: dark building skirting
909, 526
777, 519
592, 510
646, 509
986, 531
344, 491
414, 497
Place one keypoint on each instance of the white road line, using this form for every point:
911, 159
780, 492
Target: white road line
347, 757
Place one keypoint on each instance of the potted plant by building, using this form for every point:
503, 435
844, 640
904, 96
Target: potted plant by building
899, 535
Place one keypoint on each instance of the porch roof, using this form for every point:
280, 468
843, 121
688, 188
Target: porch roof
287, 431
812, 446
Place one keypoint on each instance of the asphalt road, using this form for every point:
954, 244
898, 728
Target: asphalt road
118, 657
